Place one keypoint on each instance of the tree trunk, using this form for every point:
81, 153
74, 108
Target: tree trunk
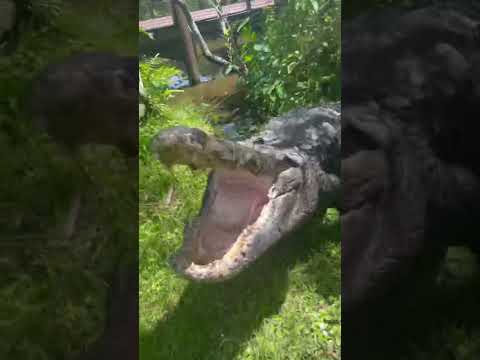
189, 47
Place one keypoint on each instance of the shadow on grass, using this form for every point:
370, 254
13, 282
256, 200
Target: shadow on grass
214, 321
451, 319
436, 321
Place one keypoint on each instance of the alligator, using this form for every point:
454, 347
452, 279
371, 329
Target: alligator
258, 191
410, 169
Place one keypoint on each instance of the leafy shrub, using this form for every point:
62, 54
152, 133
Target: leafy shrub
156, 74
297, 61
46, 10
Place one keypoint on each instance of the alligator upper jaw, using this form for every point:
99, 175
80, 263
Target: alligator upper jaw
252, 200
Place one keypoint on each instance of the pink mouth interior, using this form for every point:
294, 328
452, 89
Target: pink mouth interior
236, 199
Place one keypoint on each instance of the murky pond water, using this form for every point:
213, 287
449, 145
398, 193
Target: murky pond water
208, 69
224, 92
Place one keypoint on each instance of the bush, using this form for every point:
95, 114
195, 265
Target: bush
156, 74
297, 61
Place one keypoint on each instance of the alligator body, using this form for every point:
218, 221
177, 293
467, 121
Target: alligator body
259, 190
410, 169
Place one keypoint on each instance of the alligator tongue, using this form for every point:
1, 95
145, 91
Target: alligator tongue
193, 147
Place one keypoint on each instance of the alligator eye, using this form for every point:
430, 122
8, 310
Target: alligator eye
259, 141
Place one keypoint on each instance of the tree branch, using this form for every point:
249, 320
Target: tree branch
203, 45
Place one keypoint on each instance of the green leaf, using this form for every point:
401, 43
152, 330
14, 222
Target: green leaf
280, 92
242, 24
261, 47
248, 58
291, 67
146, 33
229, 69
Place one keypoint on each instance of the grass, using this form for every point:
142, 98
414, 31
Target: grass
285, 306
50, 288
449, 324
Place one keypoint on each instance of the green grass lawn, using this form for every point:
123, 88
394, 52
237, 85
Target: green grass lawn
285, 306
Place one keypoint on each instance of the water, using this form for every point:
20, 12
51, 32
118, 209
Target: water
179, 82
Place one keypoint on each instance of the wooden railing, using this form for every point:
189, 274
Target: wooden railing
207, 14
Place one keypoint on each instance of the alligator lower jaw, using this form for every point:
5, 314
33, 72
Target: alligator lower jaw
242, 216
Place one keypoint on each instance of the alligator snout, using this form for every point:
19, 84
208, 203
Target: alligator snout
193, 147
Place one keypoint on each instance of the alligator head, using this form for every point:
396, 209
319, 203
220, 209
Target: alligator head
258, 191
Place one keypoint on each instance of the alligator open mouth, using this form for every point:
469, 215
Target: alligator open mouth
233, 202
256, 194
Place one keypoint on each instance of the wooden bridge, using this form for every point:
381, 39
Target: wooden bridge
208, 14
